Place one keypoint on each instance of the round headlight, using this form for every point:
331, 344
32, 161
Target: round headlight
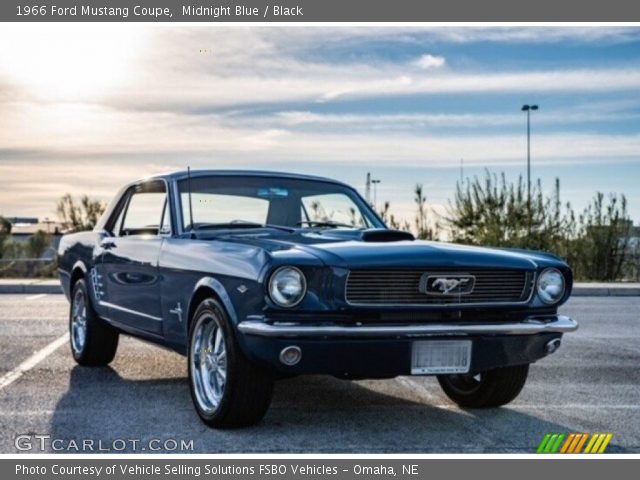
287, 286
551, 285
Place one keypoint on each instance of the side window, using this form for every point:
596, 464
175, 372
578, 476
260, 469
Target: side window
144, 212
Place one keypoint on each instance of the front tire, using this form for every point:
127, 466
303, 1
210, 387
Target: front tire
227, 389
93, 342
492, 388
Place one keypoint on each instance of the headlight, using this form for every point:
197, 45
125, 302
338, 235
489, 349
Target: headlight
551, 285
287, 286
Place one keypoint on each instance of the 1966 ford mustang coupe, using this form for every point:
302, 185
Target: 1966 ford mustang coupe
256, 275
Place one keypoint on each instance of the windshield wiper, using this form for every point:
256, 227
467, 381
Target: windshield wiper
241, 224
314, 223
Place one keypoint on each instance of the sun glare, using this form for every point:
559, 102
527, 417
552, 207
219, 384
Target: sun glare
62, 62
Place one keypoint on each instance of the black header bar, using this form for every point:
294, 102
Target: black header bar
261, 11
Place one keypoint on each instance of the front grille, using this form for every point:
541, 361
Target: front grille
404, 287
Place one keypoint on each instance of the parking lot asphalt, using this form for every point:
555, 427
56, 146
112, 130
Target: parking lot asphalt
141, 402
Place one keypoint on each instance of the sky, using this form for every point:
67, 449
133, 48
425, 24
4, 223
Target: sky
88, 108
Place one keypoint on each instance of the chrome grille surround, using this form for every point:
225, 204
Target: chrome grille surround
402, 287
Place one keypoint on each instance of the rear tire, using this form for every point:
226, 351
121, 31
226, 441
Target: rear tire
492, 388
93, 342
228, 390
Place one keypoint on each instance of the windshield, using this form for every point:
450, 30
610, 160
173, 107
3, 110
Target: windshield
236, 202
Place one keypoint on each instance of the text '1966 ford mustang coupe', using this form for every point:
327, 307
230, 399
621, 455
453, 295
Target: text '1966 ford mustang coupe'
258, 275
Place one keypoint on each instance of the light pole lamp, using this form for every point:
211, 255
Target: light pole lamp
529, 108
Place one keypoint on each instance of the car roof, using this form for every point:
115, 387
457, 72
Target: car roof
182, 174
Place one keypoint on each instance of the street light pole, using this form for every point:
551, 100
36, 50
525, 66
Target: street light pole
375, 194
529, 109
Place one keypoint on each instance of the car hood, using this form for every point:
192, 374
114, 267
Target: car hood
357, 249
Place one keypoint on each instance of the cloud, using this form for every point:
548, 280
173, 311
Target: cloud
39, 178
262, 66
194, 92
412, 121
178, 139
428, 61
260, 97
520, 35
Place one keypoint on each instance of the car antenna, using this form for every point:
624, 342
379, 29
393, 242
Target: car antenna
193, 233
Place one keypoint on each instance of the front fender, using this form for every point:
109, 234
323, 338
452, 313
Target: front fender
220, 291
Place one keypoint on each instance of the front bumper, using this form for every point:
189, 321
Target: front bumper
530, 326
375, 351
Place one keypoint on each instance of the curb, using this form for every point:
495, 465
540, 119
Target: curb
30, 288
604, 291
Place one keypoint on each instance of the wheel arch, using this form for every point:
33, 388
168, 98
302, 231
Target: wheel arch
78, 271
210, 287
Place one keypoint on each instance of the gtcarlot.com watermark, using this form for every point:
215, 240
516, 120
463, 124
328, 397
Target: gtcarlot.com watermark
47, 443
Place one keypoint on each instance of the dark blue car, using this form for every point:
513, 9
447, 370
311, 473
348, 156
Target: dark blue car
257, 275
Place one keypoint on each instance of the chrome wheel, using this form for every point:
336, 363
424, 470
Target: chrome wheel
208, 363
78, 322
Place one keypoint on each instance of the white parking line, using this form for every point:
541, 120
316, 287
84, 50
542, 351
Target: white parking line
11, 376
37, 296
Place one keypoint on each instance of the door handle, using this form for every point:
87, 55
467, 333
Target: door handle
107, 244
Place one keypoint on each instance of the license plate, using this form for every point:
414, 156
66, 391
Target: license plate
437, 357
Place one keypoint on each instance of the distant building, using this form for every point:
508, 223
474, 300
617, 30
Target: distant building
22, 220
22, 228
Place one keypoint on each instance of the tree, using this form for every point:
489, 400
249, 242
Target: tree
5, 233
390, 219
421, 226
603, 238
423, 230
494, 212
78, 217
38, 244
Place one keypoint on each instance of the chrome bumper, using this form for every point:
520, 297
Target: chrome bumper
530, 326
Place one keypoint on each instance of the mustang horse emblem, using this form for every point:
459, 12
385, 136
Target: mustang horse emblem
447, 285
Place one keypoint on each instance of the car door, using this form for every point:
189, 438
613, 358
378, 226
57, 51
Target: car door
130, 259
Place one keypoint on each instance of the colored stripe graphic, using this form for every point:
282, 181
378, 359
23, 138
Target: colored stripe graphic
550, 443
543, 443
570, 440
581, 444
574, 442
592, 440
556, 445
605, 442
599, 440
